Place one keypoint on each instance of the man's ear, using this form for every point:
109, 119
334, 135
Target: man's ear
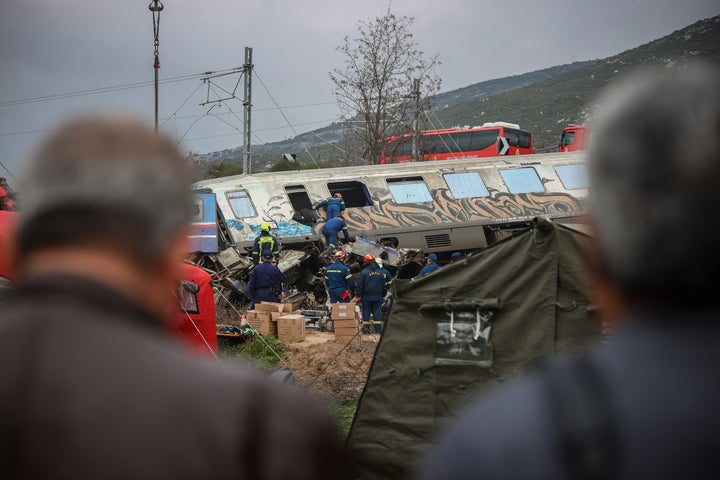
176, 253
603, 291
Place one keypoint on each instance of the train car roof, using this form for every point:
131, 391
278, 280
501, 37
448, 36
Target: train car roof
391, 170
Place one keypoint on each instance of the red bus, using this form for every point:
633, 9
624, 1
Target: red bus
489, 140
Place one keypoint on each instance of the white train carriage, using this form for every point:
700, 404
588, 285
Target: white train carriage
436, 206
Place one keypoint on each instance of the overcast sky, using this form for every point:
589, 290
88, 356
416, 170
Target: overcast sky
50, 47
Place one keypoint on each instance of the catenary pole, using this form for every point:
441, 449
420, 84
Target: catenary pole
247, 111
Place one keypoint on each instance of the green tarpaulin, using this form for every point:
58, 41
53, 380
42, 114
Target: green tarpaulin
464, 330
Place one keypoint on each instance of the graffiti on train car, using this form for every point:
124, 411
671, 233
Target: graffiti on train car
498, 207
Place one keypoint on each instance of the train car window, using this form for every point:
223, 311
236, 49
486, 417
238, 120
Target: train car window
573, 176
466, 185
298, 197
409, 189
240, 204
522, 180
355, 194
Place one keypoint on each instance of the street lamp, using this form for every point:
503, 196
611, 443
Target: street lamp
156, 7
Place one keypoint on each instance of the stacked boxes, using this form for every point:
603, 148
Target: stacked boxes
269, 318
291, 328
345, 321
262, 322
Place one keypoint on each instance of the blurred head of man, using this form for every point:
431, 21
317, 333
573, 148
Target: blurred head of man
654, 168
106, 198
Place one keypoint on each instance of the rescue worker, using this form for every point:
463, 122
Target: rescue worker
370, 291
331, 229
339, 280
334, 206
385, 273
387, 300
265, 242
266, 281
430, 267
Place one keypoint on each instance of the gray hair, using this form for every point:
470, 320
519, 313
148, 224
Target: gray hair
109, 181
654, 166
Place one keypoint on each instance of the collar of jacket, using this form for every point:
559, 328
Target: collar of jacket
85, 291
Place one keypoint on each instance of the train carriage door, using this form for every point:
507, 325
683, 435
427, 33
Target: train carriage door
302, 206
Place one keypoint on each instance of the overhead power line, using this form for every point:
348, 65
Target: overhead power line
95, 91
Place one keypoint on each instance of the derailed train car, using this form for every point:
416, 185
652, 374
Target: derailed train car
434, 206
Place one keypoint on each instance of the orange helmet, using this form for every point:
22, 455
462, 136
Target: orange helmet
369, 258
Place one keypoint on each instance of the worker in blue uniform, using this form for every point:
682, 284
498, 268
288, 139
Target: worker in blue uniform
370, 291
339, 280
334, 206
265, 242
430, 266
266, 281
387, 300
331, 229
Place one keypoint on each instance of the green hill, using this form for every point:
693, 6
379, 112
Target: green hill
546, 107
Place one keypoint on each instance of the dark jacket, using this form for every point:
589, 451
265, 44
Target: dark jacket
332, 202
371, 283
265, 242
91, 387
338, 277
658, 384
335, 226
428, 269
266, 276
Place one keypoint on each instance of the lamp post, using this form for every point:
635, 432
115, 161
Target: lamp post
156, 7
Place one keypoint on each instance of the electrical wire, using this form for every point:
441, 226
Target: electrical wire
285, 117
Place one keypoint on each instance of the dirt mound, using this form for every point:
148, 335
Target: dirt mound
332, 368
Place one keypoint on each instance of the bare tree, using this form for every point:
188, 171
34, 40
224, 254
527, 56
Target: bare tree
385, 83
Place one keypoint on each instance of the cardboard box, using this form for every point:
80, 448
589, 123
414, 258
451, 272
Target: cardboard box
250, 314
345, 332
348, 334
342, 311
267, 307
275, 315
291, 328
274, 307
262, 322
345, 323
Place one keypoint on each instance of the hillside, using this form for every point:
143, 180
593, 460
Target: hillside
318, 138
547, 106
543, 102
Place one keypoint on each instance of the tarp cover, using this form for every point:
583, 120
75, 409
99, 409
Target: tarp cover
463, 330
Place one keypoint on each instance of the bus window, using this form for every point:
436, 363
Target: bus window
240, 204
572, 176
409, 190
355, 194
466, 185
298, 196
522, 180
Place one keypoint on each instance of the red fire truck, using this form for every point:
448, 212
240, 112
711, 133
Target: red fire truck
574, 137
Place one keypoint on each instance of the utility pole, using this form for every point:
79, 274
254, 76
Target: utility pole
247, 110
416, 120
156, 7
